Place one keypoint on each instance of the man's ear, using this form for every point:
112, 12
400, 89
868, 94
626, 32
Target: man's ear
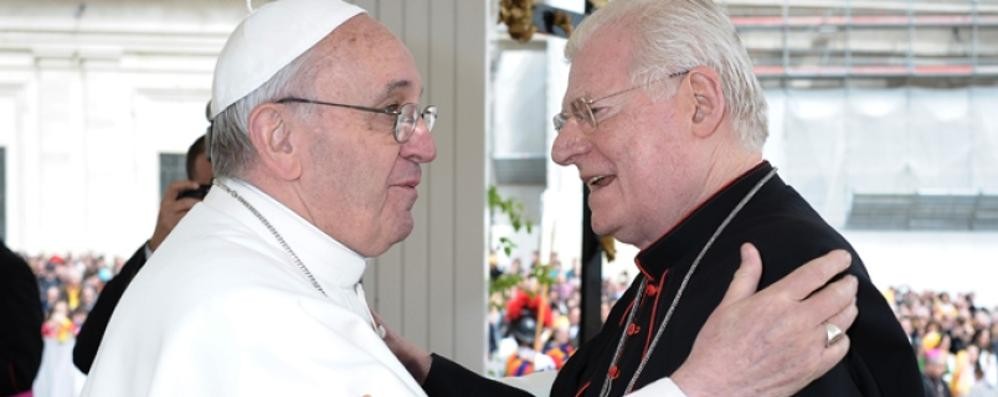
708, 101
270, 133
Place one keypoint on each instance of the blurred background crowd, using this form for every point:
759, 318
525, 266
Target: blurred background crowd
954, 338
69, 285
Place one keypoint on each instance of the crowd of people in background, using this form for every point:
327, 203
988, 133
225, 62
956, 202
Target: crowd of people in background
954, 339
69, 285
514, 309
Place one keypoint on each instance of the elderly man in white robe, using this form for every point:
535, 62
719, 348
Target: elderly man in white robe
317, 142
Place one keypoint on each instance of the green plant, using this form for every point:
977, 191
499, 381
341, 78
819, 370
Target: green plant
513, 209
504, 283
542, 273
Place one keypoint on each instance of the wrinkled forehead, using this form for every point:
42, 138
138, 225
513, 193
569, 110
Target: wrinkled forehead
364, 57
601, 65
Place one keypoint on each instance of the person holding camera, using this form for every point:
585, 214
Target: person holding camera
180, 197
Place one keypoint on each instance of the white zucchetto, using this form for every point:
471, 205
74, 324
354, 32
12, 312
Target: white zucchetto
269, 39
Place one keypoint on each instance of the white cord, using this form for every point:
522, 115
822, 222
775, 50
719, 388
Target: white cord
249, 5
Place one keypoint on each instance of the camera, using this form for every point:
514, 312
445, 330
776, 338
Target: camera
198, 193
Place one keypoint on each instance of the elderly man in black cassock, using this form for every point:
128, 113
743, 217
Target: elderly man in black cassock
665, 122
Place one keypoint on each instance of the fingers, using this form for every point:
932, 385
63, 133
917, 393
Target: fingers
171, 209
845, 318
172, 203
185, 204
834, 298
174, 188
831, 355
387, 334
813, 275
826, 356
746, 279
378, 321
377, 317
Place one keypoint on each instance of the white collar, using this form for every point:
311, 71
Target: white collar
331, 262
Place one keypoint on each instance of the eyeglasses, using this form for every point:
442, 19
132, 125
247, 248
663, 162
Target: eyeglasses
582, 108
406, 115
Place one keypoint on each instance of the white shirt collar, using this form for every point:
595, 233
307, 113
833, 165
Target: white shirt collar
331, 262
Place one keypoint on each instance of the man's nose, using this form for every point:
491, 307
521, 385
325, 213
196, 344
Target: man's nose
420, 147
570, 143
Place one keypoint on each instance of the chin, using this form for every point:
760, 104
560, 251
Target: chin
390, 234
402, 229
601, 227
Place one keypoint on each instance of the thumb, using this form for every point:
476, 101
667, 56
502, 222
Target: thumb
746, 279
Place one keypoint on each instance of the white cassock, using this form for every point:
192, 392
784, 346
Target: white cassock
221, 309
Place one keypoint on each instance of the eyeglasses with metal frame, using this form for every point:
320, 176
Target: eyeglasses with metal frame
582, 108
406, 115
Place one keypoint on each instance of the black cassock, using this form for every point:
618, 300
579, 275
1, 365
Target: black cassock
788, 233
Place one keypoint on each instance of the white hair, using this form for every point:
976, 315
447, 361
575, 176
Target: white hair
675, 35
230, 148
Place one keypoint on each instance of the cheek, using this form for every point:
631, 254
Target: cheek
654, 178
339, 172
337, 166
642, 171
374, 173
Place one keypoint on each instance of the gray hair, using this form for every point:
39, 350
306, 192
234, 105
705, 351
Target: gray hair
230, 147
675, 35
